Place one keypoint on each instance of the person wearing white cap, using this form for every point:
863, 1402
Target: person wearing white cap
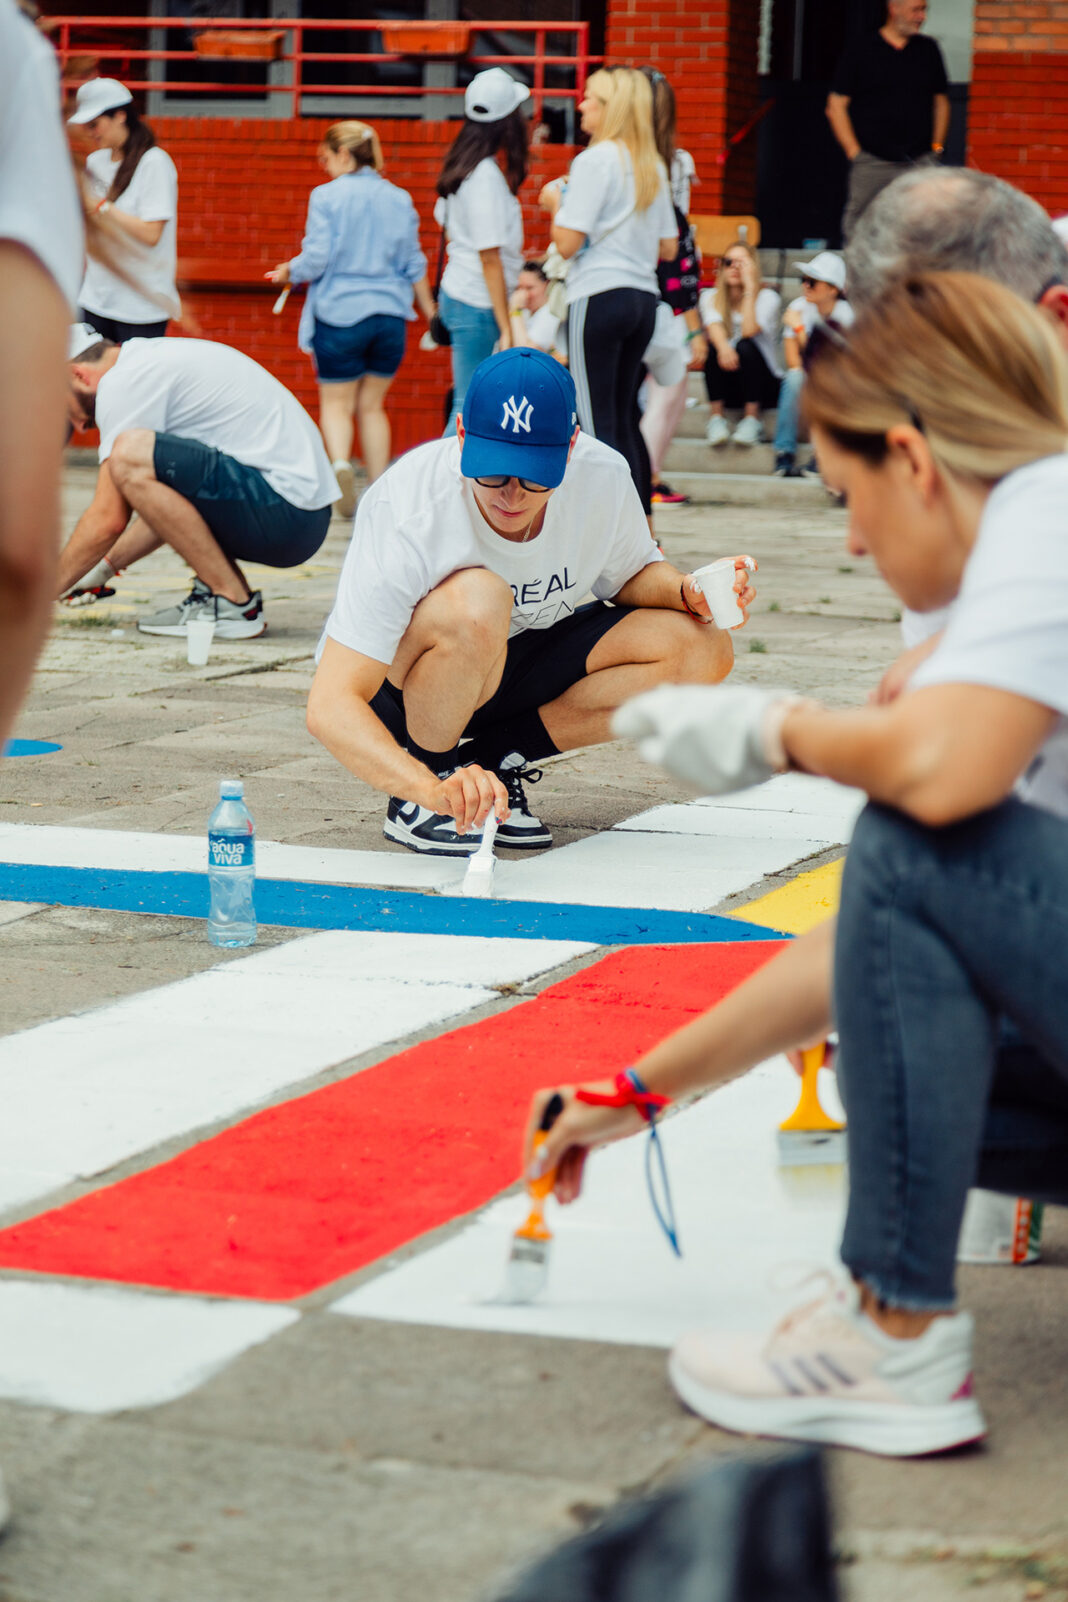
136, 184
819, 304
483, 224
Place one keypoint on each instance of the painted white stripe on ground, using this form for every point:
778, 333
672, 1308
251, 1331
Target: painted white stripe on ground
427, 958
95, 1349
612, 1276
623, 868
83, 1093
732, 825
59, 847
798, 793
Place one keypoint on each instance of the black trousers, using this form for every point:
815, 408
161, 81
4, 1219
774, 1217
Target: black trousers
751, 380
606, 339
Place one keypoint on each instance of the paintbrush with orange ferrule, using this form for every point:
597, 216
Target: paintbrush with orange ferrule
811, 1135
528, 1261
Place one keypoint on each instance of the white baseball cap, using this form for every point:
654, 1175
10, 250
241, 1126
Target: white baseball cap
493, 95
82, 337
828, 267
98, 95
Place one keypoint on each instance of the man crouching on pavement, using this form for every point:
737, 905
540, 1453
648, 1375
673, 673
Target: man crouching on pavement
458, 615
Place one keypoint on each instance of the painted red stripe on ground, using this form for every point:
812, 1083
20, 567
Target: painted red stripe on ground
313, 1189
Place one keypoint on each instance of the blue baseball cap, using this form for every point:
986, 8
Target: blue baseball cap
518, 416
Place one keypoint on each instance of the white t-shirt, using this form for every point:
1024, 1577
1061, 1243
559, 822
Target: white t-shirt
152, 195
544, 330
208, 392
1008, 627
683, 174
843, 315
768, 315
623, 245
420, 523
483, 214
38, 201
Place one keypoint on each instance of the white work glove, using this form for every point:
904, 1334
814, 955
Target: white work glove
716, 737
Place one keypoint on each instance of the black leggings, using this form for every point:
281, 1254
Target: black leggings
606, 339
751, 380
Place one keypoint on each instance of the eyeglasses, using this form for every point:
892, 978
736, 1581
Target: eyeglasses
499, 480
809, 283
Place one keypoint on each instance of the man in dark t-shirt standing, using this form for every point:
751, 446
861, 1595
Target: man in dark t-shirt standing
888, 106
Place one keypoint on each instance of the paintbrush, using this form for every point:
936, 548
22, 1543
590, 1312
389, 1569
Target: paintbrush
478, 880
280, 304
810, 1135
528, 1260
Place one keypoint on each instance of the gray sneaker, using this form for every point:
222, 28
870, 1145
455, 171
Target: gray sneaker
234, 620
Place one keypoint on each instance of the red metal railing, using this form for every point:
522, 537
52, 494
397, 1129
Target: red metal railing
81, 37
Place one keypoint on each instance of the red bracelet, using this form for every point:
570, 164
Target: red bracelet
689, 608
629, 1092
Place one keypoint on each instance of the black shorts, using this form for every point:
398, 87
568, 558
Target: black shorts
120, 332
540, 665
250, 520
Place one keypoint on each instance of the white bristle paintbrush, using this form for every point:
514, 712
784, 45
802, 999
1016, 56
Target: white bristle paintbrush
478, 880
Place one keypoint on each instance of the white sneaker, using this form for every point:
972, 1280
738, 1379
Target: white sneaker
750, 431
346, 480
828, 1374
717, 432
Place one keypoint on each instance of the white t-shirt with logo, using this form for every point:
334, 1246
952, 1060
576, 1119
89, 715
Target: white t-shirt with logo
483, 214
420, 523
768, 310
843, 315
623, 245
1008, 627
38, 201
201, 390
152, 195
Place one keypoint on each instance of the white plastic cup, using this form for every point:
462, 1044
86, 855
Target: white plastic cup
199, 633
1000, 1229
717, 584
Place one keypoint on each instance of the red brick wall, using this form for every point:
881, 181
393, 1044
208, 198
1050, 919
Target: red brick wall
1018, 110
243, 194
709, 53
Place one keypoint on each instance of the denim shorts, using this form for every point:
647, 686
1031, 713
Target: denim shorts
375, 345
249, 519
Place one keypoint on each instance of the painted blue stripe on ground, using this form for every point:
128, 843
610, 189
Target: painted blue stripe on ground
15, 748
298, 905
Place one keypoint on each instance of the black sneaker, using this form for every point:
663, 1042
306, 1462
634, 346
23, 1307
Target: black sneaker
433, 833
522, 831
784, 466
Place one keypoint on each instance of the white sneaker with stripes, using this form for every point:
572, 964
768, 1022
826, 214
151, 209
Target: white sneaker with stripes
828, 1374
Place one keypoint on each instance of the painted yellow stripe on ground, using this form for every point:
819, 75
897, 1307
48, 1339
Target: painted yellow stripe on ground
799, 905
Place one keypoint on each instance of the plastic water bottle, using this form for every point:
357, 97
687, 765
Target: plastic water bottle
231, 868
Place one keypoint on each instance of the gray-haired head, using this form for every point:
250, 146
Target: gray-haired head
940, 219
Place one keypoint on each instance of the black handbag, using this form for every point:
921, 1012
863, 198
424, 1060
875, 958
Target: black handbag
438, 332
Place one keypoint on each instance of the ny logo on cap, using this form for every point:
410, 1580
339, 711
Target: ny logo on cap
518, 416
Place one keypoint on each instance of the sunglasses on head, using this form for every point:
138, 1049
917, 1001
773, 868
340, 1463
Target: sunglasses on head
499, 480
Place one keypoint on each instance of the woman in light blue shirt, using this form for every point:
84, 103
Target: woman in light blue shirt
362, 263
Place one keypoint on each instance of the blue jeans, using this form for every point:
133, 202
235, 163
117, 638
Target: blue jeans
952, 1010
474, 333
789, 411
